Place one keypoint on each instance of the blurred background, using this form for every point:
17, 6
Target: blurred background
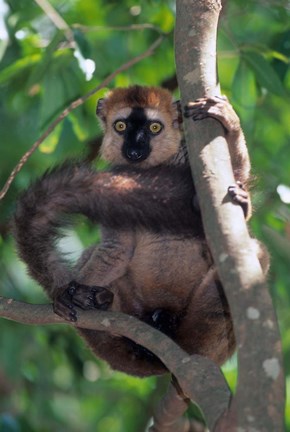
50, 56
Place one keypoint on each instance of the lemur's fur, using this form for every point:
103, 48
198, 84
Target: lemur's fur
153, 261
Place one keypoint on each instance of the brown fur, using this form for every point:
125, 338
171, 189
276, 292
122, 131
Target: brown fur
153, 261
144, 97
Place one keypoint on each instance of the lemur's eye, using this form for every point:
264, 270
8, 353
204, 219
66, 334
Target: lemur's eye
155, 127
120, 126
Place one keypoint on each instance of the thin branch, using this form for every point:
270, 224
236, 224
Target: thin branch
73, 106
168, 415
199, 378
55, 17
133, 27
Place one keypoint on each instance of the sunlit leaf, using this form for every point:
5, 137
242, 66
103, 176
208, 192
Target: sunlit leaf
3, 46
277, 55
163, 17
49, 144
288, 405
79, 125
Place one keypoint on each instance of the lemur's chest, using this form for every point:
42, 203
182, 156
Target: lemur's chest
168, 265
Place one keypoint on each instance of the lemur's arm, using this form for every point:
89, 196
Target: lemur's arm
220, 109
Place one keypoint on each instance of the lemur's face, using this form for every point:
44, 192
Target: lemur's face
139, 135
141, 126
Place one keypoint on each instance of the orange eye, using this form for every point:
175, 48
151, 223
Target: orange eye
155, 127
120, 126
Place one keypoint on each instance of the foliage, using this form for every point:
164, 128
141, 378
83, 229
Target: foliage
48, 379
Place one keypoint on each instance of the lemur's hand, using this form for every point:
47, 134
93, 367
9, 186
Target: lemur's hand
217, 107
84, 296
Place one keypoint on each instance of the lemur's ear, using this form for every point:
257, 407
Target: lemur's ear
177, 116
100, 109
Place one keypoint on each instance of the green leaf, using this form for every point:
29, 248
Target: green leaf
49, 144
17, 67
71, 88
71, 80
79, 125
41, 69
163, 17
53, 98
3, 46
82, 43
244, 86
277, 55
264, 72
61, 85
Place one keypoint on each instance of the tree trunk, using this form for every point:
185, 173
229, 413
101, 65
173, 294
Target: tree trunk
259, 401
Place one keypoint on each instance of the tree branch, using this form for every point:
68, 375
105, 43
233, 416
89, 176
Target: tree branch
199, 378
56, 18
259, 400
168, 415
132, 27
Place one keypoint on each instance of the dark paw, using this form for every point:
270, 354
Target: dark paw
205, 107
217, 107
240, 196
84, 296
64, 307
89, 297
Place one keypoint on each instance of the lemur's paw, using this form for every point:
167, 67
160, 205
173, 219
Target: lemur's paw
64, 307
217, 107
240, 196
84, 296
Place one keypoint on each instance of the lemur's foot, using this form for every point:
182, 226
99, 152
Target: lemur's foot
217, 107
240, 196
84, 296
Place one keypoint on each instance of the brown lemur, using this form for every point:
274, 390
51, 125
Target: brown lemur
153, 261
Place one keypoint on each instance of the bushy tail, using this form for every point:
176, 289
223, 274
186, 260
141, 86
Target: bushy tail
156, 198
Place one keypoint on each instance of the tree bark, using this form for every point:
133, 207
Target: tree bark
259, 401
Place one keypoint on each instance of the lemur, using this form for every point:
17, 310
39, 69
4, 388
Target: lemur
153, 261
